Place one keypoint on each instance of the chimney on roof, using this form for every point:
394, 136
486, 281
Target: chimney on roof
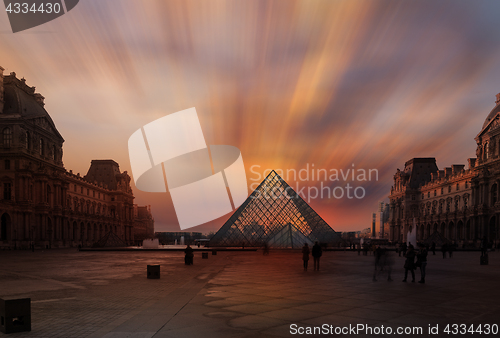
1, 89
498, 99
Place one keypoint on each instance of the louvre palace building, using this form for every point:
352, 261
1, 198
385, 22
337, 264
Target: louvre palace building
43, 204
458, 204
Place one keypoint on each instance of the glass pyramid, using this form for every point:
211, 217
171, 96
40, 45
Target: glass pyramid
274, 214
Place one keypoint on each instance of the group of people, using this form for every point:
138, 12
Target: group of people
413, 259
411, 264
316, 252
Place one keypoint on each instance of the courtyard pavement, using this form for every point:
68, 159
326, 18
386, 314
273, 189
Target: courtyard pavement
244, 294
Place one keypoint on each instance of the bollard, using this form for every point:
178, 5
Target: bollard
214, 252
204, 255
154, 271
15, 315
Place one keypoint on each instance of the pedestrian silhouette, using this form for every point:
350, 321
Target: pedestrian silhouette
422, 261
316, 253
305, 255
410, 263
188, 258
433, 248
484, 246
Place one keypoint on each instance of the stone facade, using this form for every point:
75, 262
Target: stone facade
460, 204
41, 203
143, 224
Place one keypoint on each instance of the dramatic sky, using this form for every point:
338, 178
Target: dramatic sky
290, 83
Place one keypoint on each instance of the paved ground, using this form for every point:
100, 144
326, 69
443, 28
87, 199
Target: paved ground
235, 294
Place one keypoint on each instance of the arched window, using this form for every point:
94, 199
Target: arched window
42, 146
7, 137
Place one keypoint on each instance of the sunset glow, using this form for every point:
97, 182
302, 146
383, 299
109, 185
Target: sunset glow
341, 85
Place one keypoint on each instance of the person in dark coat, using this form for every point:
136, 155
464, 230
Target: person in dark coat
305, 255
433, 248
188, 258
422, 262
316, 253
410, 263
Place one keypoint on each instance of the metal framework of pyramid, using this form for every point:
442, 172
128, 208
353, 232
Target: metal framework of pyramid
274, 214
109, 240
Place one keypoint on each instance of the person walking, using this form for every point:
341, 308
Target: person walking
433, 248
305, 255
422, 262
189, 255
316, 253
410, 263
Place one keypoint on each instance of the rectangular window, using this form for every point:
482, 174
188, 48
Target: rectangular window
442, 191
7, 164
458, 186
93, 192
88, 192
7, 191
75, 188
81, 190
